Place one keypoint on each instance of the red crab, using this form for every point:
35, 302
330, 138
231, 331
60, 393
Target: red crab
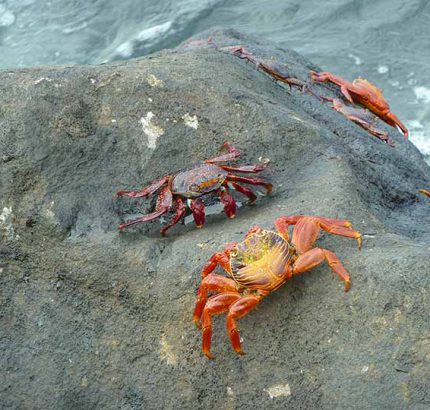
185, 188
260, 264
366, 94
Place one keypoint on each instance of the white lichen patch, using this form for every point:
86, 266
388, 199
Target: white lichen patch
49, 213
153, 81
6, 222
166, 352
191, 121
152, 131
42, 79
278, 390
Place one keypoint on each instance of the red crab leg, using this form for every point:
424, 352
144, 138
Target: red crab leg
383, 136
314, 257
180, 209
150, 189
391, 119
425, 192
245, 191
241, 52
343, 84
307, 229
164, 203
219, 258
198, 209
228, 202
233, 153
237, 310
211, 283
252, 181
293, 219
215, 305
341, 231
253, 168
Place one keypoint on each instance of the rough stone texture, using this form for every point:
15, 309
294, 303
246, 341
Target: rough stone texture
94, 318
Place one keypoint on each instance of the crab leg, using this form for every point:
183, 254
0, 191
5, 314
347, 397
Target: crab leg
228, 202
198, 209
237, 310
314, 257
383, 136
307, 229
341, 231
425, 192
245, 191
233, 153
164, 203
254, 168
219, 258
215, 305
252, 181
180, 209
211, 283
150, 189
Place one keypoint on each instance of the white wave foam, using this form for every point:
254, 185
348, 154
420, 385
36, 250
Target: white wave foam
7, 18
422, 93
420, 137
126, 49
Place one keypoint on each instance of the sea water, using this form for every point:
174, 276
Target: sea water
385, 41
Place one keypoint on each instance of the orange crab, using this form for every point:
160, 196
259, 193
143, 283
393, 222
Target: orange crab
366, 94
189, 188
260, 264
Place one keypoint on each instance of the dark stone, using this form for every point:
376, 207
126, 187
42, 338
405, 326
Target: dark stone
94, 318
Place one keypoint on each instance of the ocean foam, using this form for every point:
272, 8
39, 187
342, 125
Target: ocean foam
422, 93
419, 135
7, 18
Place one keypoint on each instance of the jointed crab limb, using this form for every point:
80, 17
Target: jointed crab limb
251, 169
148, 190
361, 117
164, 203
219, 258
180, 210
253, 181
215, 305
307, 229
425, 192
228, 202
245, 191
237, 310
314, 257
233, 153
198, 209
211, 283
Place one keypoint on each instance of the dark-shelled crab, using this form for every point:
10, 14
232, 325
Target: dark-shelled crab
186, 188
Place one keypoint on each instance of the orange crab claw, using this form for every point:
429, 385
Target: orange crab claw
425, 192
392, 120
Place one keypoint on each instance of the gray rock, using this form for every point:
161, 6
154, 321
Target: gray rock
94, 318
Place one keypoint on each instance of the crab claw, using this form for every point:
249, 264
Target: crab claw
392, 120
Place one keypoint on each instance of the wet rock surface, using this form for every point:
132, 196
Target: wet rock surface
94, 318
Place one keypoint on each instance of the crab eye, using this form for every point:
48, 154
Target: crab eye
261, 234
233, 252
194, 187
